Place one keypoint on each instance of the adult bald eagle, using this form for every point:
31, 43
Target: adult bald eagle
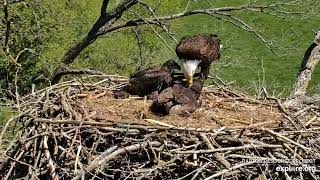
198, 50
178, 99
152, 80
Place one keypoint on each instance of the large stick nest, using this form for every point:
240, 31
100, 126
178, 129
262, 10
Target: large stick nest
76, 130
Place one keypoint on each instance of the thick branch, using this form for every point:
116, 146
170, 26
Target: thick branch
310, 60
51, 166
113, 155
209, 11
105, 21
66, 71
103, 11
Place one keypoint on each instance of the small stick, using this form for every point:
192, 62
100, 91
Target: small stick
51, 166
74, 122
170, 129
228, 170
253, 125
286, 114
286, 139
299, 113
103, 159
158, 123
20, 162
17, 159
311, 121
285, 145
77, 159
286, 175
199, 170
218, 156
99, 95
82, 95
248, 146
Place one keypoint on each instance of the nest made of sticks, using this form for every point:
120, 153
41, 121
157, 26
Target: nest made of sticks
76, 130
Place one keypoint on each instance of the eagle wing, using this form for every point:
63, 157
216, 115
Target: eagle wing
149, 80
166, 95
175, 100
163, 102
149, 70
183, 95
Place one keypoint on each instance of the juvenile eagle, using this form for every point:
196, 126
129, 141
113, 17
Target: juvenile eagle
152, 80
178, 99
198, 50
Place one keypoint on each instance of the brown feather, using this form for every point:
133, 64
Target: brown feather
152, 79
203, 47
199, 47
178, 96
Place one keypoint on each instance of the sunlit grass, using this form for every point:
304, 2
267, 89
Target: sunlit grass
5, 114
242, 55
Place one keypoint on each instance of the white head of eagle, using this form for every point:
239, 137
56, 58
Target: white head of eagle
198, 50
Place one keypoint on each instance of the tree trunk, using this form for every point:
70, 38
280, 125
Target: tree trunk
310, 60
105, 21
73, 52
69, 57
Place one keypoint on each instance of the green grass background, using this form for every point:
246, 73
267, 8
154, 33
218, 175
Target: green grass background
245, 59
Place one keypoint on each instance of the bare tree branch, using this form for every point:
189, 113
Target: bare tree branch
241, 24
160, 37
310, 60
67, 71
160, 24
103, 11
140, 48
106, 23
209, 11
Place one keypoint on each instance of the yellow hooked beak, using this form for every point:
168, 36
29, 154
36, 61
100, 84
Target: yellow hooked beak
189, 81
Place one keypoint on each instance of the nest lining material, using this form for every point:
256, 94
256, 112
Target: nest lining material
76, 130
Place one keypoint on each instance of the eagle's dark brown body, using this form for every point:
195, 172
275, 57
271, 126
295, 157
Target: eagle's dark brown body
153, 79
204, 48
178, 99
